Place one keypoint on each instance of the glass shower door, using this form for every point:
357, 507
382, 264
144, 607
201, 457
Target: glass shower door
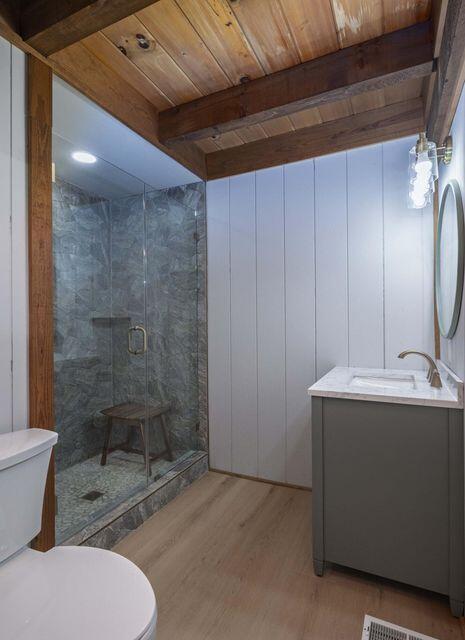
129, 329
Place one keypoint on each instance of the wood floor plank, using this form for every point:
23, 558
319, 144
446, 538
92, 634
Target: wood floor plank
230, 558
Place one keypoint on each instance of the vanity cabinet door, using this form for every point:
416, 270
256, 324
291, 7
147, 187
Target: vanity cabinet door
386, 488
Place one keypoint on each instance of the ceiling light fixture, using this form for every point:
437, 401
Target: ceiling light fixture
423, 169
84, 156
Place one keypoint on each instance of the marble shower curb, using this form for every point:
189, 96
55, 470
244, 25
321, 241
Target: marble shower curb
106, 532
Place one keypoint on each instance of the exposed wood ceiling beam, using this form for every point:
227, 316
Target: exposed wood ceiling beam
438, 17
450, 74
377, 63
9, 14
85, 72
51, 25
369, 127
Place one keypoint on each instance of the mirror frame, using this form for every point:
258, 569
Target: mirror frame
453, 187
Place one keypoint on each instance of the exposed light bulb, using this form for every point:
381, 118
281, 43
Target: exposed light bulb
84, 156
423, 164
421, 186
419, 190
418, 199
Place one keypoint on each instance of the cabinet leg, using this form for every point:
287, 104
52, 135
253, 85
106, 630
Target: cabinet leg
318, 567
456, 607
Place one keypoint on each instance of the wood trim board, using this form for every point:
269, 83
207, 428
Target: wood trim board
450, 75
41, 374
255, 479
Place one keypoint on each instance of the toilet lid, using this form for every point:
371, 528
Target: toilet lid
74, 593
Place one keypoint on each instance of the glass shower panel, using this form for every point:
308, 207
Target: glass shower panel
99, 342
172, 318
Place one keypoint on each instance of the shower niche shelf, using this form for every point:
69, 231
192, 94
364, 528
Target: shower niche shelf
107, 319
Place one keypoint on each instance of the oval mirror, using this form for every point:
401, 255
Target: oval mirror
449, 259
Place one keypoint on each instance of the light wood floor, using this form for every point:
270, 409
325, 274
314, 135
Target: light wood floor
230, 559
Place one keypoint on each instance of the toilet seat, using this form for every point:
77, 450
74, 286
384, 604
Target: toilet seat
75, 593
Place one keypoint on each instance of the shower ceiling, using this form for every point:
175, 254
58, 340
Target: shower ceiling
86, 126
99, 179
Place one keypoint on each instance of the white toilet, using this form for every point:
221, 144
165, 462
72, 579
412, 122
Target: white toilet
67, 593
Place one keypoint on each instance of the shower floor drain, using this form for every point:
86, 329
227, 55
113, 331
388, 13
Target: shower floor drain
92, 495
374, 629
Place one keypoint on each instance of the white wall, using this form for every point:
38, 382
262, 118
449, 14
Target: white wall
13, 240
453, 351
310, 265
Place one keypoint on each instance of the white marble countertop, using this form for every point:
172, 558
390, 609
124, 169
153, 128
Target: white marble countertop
399, 386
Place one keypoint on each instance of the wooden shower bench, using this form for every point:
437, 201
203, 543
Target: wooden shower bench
134, 416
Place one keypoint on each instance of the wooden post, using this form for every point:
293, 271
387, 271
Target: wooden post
41, 401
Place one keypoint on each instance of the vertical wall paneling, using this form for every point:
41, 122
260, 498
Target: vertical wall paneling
427, 251
13, 233
219, 357
331, 262
311, 265
300, 316
19, 240
271, 357
244, 427
5, 239
404, 263
365, 247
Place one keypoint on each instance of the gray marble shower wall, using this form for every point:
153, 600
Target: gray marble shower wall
100, 271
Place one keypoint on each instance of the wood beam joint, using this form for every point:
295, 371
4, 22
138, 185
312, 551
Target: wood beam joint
49, 26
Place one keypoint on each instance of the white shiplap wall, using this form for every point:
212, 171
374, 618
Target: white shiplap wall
310, 265
13, 240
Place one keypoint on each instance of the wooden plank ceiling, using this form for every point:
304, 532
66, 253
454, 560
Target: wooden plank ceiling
176, 51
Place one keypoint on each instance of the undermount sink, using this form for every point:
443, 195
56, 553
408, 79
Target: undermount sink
400, 382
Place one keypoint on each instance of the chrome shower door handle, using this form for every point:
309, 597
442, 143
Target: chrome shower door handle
131, 331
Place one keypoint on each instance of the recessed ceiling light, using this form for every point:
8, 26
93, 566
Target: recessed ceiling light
84, 156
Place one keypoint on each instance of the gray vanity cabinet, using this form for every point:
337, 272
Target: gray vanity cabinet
388, 492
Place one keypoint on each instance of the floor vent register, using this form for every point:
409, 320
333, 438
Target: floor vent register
374, 629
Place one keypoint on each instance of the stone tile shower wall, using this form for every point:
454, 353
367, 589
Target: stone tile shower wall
83, 380
99, 279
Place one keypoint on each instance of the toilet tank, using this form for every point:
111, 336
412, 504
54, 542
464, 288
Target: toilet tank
24, 460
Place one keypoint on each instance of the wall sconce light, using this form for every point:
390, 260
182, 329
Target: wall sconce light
423, 169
